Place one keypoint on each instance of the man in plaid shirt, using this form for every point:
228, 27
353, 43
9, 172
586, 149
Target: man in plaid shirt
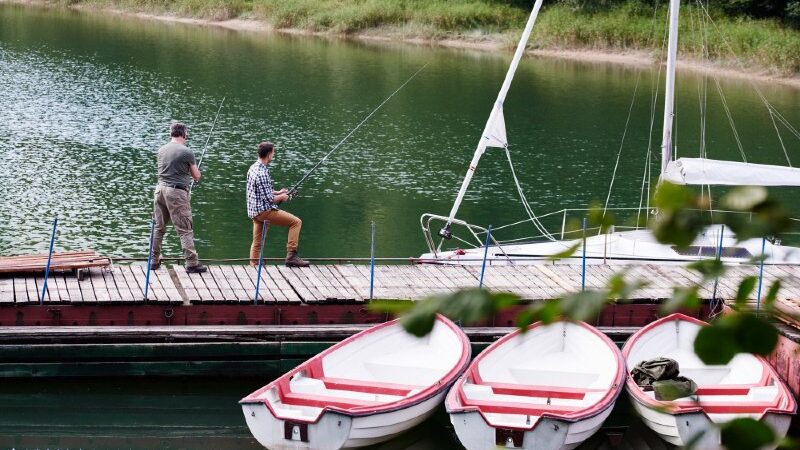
262, 206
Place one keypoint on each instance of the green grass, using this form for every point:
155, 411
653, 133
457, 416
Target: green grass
759, 44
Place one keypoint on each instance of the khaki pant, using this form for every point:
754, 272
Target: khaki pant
172, 205
274, 217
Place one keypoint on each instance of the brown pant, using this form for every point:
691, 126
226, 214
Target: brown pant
172, 205
274, 217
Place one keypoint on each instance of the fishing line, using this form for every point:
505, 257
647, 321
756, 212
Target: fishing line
293, 190
205, 147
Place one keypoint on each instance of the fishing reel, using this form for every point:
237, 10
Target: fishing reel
293, 193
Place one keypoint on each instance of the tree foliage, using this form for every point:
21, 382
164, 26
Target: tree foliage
681, 218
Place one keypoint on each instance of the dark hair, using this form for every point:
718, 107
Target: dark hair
177, 129
265, 148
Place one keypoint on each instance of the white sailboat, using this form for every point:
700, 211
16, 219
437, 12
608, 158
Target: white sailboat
622, 247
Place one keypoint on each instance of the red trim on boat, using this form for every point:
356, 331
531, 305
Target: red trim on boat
768, 378
455, 399
368, 387
505, 407
313, 368
527, 390
322, 401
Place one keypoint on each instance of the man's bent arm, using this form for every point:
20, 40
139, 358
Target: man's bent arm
195, 172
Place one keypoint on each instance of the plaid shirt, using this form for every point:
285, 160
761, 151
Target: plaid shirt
260, 196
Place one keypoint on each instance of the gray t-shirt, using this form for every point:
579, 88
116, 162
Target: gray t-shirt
173, 164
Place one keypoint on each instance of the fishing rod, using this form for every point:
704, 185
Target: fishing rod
293, 191
205, 147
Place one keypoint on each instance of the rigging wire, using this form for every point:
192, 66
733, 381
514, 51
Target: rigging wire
531, 215
730, 119
772, 110
293, 190
622, 142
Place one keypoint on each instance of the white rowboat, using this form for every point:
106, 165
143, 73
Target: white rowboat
546, 389
745, 387
362, 391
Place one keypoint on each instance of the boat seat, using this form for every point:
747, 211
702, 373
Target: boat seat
529, 390
321, 401
725, 389
504, 407
368, 386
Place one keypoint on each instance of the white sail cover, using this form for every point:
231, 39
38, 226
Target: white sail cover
696, 171
495, 133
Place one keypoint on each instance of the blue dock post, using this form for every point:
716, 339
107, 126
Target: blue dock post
261, 259
485, 253
372, 263
149, 258
761, 274
49, 258
583, 270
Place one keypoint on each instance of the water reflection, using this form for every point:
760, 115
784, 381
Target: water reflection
200, 413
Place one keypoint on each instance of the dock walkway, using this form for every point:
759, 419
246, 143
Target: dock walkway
348, 283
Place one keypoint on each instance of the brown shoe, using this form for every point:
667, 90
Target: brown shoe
292, 260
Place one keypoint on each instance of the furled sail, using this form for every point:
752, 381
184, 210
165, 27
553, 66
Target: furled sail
695, 171
495, 132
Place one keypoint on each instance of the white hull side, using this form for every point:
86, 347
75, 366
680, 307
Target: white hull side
336, 431
369, 430
621, 248
548, 434
682, 429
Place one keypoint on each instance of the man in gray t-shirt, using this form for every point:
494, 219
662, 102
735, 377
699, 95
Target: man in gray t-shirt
176, 170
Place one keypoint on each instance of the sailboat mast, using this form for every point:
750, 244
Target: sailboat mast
669, 95
495, 121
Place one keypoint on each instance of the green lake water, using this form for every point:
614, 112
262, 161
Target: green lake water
86, 99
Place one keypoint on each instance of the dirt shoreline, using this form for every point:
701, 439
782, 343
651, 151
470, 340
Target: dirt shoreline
489, 44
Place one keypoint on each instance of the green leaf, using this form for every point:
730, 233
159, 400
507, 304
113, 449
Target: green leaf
601, 219
394, 307
468, 306
744, 198
566, 253
716, 343
420, 320
755, 335
682, 298
772, 295
745, 289
708, 268
546, 312
746, 434
620, 289
584, 305
525, 318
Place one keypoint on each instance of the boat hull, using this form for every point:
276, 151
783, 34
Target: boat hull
548, 434
335, 430
697, 428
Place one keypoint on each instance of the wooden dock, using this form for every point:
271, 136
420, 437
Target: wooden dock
319, 284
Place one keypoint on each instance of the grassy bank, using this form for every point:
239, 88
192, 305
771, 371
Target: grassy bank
761, 45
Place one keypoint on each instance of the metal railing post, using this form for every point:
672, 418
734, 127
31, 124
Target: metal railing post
719, 256
485, 254
372, 263
49, 259
149, 258
583, 259
761, 274
261, 259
